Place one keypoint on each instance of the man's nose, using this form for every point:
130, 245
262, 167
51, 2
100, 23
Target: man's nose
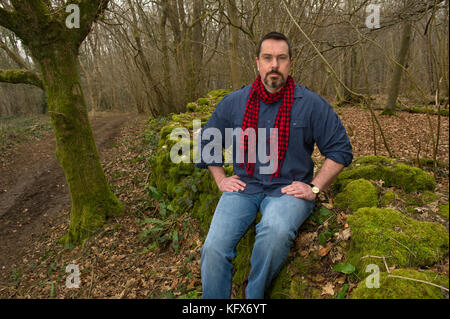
274, 64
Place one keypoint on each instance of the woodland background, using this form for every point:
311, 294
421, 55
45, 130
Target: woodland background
147, 66
155, 56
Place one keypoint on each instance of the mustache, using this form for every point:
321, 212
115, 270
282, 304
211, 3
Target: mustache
273, 72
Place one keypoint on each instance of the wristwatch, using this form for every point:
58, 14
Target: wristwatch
314, 188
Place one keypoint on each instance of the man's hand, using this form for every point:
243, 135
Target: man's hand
299, 190
231, 184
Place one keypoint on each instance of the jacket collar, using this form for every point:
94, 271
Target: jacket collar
298, 91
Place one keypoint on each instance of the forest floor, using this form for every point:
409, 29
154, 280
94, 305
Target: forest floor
116, 263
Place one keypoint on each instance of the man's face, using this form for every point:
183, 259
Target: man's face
274, 64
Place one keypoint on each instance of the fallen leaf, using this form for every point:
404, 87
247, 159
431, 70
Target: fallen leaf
328, 289
324, 251
337, 257
346, 233
319, 279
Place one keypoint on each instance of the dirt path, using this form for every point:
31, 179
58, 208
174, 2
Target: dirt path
33, 188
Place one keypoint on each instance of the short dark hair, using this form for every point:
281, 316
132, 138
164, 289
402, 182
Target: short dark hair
276, 36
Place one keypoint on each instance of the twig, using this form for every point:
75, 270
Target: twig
379, 257
403, 246
320, 55
418, 280
320, 226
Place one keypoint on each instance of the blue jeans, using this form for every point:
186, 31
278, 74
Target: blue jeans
275, 234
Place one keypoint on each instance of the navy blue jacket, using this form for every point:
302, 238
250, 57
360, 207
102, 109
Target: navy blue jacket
312, 121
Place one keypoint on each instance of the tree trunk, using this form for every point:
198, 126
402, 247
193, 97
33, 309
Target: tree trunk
157, 109
197, 51
233, 47
398, 69
92, 198
167, 76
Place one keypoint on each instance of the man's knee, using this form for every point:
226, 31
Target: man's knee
276, 234
215, 248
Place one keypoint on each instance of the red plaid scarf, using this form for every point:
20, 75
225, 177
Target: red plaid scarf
250, 120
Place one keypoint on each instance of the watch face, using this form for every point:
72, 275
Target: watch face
315, 190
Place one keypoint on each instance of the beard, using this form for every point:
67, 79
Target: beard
274, 84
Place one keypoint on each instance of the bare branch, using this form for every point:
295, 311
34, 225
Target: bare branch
91, 10
18, 60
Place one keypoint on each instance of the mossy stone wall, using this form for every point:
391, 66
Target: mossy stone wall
405, 177
400, 288
403, 241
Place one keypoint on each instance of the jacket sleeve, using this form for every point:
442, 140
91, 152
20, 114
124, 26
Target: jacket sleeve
329, 133
211, 140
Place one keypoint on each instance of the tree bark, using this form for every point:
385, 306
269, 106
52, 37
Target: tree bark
166, 61
196, 68
398, 69
233, 47
155, 111
92, 198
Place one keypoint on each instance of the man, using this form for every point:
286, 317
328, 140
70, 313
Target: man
285, 196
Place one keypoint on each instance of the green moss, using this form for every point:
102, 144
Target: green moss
443, 211
242, 261
358, 193
203, 101
20, 76
428, 197
387, 199
289, 283
444, 112
399, 288
369, 172
410, 179
402, 240
429, 163
405, 177
388, 112
191, 107
218, 95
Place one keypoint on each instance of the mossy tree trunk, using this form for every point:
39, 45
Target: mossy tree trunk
55, 48
92, 199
